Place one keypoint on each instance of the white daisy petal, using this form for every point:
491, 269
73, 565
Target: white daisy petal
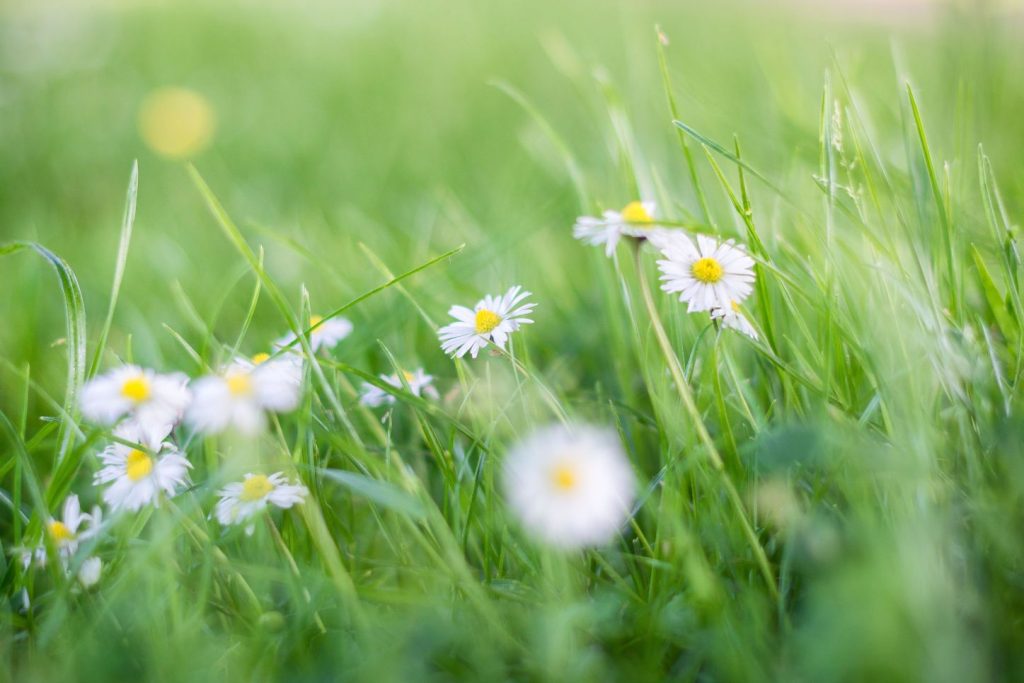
326, 335
733, 319
419, 384
89, 572
635, 220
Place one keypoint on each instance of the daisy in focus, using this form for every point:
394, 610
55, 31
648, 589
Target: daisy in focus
420, 384
137, 476
326, 335
635, 220
154, 401
570, 487
241, 395
493, 319
706, 273
734, 319
241, 501
66, 532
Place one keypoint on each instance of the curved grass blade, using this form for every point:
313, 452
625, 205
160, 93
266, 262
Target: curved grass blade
74, 314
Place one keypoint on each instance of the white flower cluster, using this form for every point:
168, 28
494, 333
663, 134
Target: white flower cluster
142, 464
708, 274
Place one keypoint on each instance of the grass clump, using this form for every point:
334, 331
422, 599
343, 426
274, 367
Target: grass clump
820, 483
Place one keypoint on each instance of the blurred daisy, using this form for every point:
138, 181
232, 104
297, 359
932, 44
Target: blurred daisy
493, 319
570, 487
240, 396
66, 532
155, 402
419, 384
176, 122
635, 220
326, 335
707, 273
242, 500
89, 572
137, 476
734, 319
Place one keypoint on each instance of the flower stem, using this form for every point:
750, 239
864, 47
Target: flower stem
686, 394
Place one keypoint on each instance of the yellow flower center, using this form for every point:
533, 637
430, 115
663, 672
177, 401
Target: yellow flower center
564, 478
136, 388
256, 487
60, 532
239, 383
707, 270
315, 320
634, 212
735, 307
138, 465
260, 358
486, 321
409, 377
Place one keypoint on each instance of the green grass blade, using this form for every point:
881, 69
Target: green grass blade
127, 223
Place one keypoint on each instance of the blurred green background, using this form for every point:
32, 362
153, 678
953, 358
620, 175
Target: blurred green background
389, 124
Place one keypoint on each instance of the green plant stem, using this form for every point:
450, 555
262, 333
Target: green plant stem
686, 394
203, 543
295, 571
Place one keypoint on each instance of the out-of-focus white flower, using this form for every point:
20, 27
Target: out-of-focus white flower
493, 319
155, 402
89, 572
65, 533
242, 500
571, 487
635, 220
419, 384
240, 396
137, 475
734, 319
706, 273
326, 335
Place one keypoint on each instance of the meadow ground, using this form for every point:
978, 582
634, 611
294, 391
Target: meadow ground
837, 499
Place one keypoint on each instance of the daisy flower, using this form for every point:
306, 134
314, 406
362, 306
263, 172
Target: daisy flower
419, 384
242, 500
570, 487
734, 319
493, 319
326, 335
66, 532
153, 400
240, 396
707, 273
137, 476
635, 220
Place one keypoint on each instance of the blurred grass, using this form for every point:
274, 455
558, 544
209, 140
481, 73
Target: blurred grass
892, 425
